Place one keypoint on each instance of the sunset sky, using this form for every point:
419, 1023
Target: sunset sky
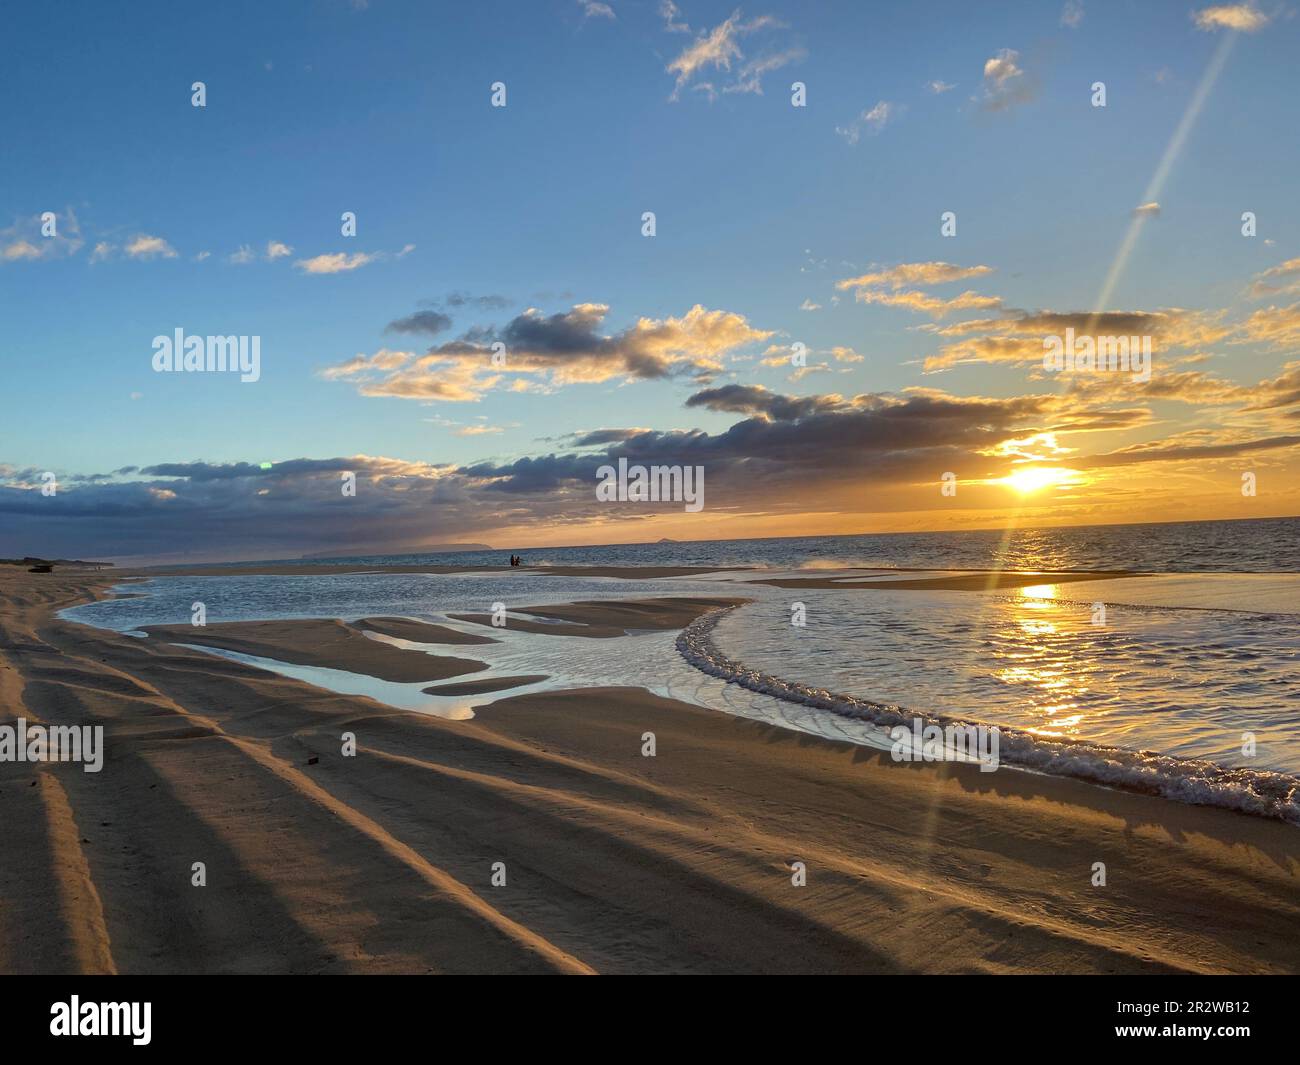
776, 225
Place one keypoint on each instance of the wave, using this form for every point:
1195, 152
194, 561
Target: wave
1259, 792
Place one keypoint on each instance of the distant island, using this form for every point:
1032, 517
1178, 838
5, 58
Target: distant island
31, 561
424, 549
665, 540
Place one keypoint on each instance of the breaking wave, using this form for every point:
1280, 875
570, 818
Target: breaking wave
1260, 792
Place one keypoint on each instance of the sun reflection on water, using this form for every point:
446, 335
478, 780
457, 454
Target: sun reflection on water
1035, 594
1035, 655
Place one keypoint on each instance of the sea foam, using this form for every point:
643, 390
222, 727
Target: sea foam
1260, 792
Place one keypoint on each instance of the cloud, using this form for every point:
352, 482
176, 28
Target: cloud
1072, 14
717, 49
244, 254
924, 303
925, 273
429, 322
1193, 387
27, 239
1017, 338
1279, 327
595, 9
669, 12
755, 400
1277, 392
873, 120
1147, 210
335, 262
1242, 17
276, 249
1267, 283
143, 246
558, 349
939, 87
1005, 84
886, 287
772, 459
382, 360
1163, 451
749, 78
1001, 70
464, 299
21, 249
808, 305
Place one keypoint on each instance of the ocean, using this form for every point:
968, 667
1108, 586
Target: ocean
1189, 688
1264, 545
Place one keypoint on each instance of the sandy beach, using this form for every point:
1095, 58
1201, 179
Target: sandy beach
317, 862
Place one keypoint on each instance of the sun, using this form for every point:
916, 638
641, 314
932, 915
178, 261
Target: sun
1035, 478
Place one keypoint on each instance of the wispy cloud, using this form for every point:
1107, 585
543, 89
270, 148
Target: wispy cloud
669, 12
871, 121
144, 246
1017, 338
926, 273
1285, 277
1244, 18
750, 76
888, 288
718, 48
31, 239
1278, 327
334, 262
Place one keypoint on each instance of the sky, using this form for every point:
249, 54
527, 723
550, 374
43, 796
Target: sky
801, 324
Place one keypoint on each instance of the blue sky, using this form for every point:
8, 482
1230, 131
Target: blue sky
383, 109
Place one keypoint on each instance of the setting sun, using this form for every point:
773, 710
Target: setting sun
1033, 478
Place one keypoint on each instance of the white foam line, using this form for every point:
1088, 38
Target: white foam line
1260, 792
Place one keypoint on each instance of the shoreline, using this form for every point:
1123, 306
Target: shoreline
615, 862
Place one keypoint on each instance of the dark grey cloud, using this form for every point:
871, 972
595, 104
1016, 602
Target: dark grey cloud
784, 454
486, 303
603, 436
430, 323
755, 399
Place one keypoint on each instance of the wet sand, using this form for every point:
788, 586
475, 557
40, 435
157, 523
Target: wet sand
613, 861
319, 642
